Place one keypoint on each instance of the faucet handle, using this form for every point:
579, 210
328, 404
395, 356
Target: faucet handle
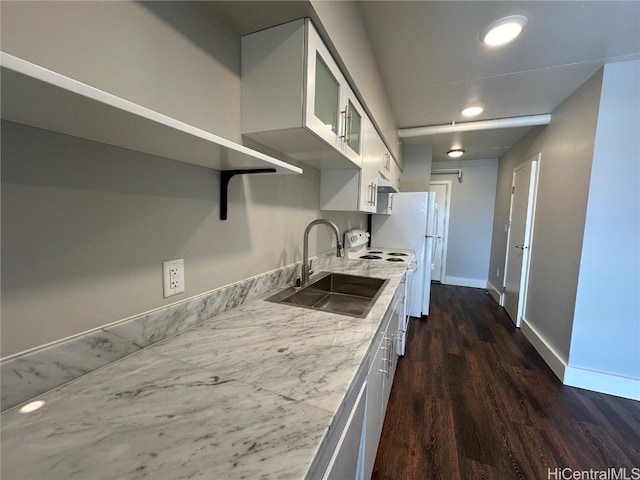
340, 250
310, 267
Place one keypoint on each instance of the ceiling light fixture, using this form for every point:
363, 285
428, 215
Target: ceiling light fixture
504, 30
455, 153
472, 111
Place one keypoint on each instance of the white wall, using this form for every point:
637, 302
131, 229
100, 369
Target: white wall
470, 221
606, 325
86, 226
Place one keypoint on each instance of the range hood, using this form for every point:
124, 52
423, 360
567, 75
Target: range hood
385, 186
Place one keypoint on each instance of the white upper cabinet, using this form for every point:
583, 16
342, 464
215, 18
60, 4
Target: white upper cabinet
354, 190
296, 100
389, 169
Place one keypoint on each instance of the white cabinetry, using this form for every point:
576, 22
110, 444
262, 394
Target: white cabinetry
345, 461
380, 380
394, 173
389, 182
296, 100
349, 449
354, 190
385, 204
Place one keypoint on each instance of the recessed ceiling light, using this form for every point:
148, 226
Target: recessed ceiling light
472, 111
455, 153
503, 30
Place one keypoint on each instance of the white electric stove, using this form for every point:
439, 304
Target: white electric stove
355, 244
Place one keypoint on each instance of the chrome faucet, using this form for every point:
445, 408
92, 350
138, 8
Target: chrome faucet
305, 250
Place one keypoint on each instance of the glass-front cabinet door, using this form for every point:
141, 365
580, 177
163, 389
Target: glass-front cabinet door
332, 110
352, 117
354, 127
323, 91
326, 96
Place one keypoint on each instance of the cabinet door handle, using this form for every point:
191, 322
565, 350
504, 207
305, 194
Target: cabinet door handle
343, 114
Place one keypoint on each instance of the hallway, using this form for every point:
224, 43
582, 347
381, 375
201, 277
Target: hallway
473, 399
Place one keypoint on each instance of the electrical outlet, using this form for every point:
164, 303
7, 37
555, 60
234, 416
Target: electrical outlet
498, 272
173, 277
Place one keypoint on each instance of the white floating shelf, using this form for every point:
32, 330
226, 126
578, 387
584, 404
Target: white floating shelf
33, 95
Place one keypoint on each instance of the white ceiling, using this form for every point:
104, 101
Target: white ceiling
433, 64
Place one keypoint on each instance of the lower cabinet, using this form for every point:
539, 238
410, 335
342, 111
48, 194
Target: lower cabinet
349, 451
380, 379
345, 462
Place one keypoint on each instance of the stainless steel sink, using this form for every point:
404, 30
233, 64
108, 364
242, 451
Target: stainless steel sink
341, 293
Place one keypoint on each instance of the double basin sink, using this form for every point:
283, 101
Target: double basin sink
341, 293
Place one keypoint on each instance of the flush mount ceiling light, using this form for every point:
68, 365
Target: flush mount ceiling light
503, 30
472, 111
455, 153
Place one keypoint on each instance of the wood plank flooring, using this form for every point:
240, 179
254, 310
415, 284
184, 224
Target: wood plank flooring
472, 399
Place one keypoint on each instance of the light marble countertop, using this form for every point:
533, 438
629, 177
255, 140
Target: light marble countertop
250, 393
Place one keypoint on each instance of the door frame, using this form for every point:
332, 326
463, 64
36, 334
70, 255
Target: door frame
528, 236
447, 208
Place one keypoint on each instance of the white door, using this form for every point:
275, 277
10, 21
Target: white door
443, 200
523, 194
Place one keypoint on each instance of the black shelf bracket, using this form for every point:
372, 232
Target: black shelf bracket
225, 176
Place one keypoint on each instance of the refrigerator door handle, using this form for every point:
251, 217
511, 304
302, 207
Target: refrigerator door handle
435, 223
433, 254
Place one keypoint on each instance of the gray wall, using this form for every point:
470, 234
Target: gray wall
606, 325
416, 174
168, 57
566, 145
86, 226
470, 221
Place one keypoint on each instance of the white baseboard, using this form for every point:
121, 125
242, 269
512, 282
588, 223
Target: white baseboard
494, 292
602, 382
465, 282
572, 376
552, 358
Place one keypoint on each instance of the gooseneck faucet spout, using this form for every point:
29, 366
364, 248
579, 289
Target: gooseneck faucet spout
305, 250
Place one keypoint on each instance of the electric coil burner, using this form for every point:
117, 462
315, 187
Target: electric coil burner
355, 241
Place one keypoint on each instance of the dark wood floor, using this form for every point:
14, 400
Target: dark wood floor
472, 399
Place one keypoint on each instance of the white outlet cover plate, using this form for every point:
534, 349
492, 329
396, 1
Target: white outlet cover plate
173, 277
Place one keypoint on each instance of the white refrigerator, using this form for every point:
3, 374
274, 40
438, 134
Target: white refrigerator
411, 226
